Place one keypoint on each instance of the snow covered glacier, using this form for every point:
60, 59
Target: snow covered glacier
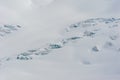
7, 29
87, 50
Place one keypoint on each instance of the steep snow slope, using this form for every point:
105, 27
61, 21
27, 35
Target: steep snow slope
99, 40
88, 50
7, 32
26, 38
7, 29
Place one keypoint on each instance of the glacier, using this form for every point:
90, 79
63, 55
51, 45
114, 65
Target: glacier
87, 50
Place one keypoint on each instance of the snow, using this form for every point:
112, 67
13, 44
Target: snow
52, 70
50, 45
82, 54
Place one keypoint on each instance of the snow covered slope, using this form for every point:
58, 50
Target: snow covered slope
88, 50
98, 37
7, 29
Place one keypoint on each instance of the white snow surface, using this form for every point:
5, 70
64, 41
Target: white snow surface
87, 50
